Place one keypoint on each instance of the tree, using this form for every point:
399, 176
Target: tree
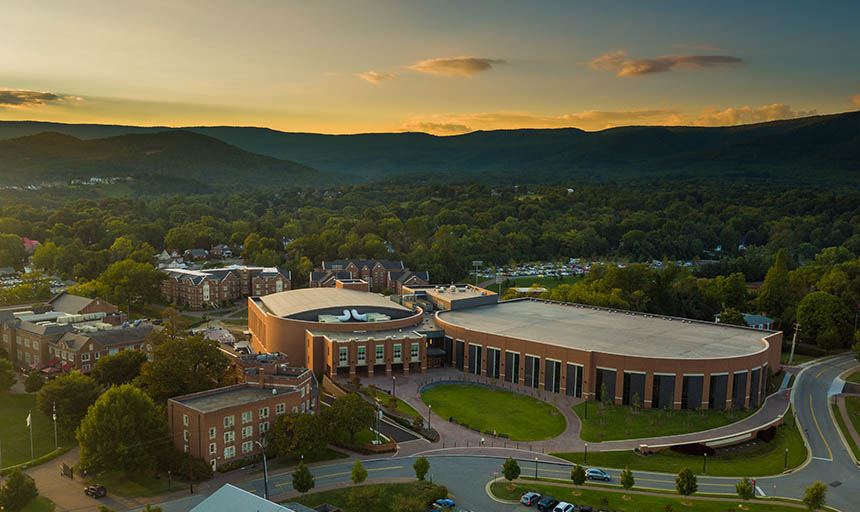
303, 480
120, 368
815, 496
365, 498
12, 252
856, 349
421, 467
359, 474
775, 294
121, 429
510, 469
125, 282
577, 474
352, 414
7, 375
18, 490
732, 316
182, 366
686, 482
33, 382
73, 394
745, 489
627, 480
824, 319
299, 434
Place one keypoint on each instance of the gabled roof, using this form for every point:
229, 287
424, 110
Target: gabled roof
68, 303
108, 338
230, 498
756, 319
363, 263
401, 276
324, 276
42, 329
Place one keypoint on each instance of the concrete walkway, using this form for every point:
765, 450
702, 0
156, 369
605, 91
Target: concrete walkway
456, 436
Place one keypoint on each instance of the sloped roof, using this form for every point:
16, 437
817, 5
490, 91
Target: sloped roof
323, 276
361, 263
404, 275
68, 303
230, 498
108, 338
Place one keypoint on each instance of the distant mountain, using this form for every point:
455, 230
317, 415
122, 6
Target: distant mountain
819, 149
172, 159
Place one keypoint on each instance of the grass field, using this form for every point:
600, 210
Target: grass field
798, 358
401, 405
762, 460
854, 377
39, 504
521, 417
139, 484
339, 497
619, 422
286, 462
841, 424
542, 282
14, 432
599, 499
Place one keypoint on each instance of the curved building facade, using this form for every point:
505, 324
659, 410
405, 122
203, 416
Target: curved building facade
626, 357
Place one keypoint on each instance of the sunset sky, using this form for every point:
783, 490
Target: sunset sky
434, 66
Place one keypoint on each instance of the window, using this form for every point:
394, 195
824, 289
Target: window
304, 405
229, 421
27, 356
213, 448
264, 412
229, 452
185, 419
185, 435
36, 360
97, 355
212, 432
295, 409
264, 427
380, 353
280, 408
247, 431
247, 446
26, 342
362, 351
18, 339
342, 355
247, 416
303, 392
185, 448
397, 351
229, 437
85, 357
36, 344
414, 353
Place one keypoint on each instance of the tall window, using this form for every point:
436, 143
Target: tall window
247, 431
398, 348
342, 355
212, 433
380, 353
264, 413
247, 416
229, 437
362, 354
280, 408
247, 446
413, 354
229, 452
229, 421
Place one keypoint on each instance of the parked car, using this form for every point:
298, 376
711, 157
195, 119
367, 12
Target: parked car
547, 503
586, 508
530, 498
443, 504
96, 491
598, 474
563, 507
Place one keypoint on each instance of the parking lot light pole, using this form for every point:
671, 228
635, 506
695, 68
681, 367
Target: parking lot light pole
585, 460
785, 464
704, 462
265, 470
429, 413
394, 386
536, 461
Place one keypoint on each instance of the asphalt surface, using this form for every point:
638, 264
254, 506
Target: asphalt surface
466, 475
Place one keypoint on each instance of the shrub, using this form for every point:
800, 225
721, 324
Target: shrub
176, 462
421, 467
33, 382
18, 490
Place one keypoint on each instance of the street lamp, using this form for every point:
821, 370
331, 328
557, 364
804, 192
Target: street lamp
704, 462
536, 461
262, 446
429, 413
585, 461
394, 386
785, 464
168, 480
585, 385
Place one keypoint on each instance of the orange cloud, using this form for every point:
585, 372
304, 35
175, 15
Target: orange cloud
455, 66
747, 115
375, 77
626, 66
18, 98
856, 100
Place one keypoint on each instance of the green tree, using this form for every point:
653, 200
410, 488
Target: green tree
12, 252
121, 429
856, 347
351, 413
686, 483
120, 368
577, 474
303, 480
302, 434
18, 490
745, 489
824, 319
775, 294
7, 375
732, 316
182, 366
421, 467
815, 496
510, 469
627, 480
128, 281
359, 474
365, 498
33, 382
73, 394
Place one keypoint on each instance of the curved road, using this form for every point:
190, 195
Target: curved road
466, 475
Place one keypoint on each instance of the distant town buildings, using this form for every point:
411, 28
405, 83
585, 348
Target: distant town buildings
208, 288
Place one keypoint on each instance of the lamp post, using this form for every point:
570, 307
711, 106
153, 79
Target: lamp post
585, 460
54, 416
262, 446
536, 461
785, 464
429, 413
585, 384
704, 462
169, 481
394, 386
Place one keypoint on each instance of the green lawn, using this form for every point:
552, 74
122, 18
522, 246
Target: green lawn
136, 484
238, 322
14, 433
339, 497
39, 504
854, 377
598, 499
362, 438
521, 417
401, 405
841, 423
762, 460
286, 462
620, 422
542, 282
798, 358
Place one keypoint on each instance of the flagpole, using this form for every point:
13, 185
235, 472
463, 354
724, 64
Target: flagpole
56, 444
30, 424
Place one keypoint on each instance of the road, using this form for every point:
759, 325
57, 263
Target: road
466, 475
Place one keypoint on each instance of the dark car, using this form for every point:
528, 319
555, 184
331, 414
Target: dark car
96, 491
547, 503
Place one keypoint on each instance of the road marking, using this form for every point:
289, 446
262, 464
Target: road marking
826, 444
760, 491
822, 371
823, 458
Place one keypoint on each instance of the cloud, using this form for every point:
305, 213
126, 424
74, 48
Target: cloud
24, 98
451, 124
747, 115
702, 47
375, 77
455, 66
626, 66
856, 100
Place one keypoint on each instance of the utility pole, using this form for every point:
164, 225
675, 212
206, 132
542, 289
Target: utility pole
793, 341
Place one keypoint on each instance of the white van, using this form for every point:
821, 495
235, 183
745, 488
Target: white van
563, 507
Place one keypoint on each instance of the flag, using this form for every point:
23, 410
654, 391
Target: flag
28, 418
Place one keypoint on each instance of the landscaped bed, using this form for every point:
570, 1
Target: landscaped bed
340, 497
759, 459
612, 422
852, 407
520, 417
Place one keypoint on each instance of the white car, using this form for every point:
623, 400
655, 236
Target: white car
563, 507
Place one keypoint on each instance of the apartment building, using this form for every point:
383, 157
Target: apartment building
199, 289
81, 350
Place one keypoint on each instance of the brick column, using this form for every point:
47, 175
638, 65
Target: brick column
706, 390
647, 400
619, 386
730, 389
679, 390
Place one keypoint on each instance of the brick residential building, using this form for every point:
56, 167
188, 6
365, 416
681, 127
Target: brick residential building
81, 350
77, 305
397, 279
374, 271
222, 425
199, 289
